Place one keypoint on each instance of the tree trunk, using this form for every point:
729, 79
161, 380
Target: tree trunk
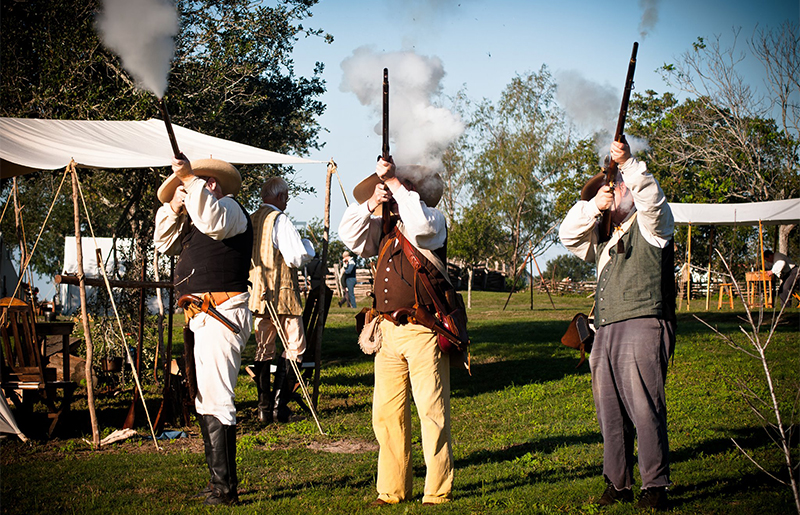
783, 238
469, 287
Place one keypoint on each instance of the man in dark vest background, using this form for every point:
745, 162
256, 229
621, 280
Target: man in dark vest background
211, 232
635, 321
409, 361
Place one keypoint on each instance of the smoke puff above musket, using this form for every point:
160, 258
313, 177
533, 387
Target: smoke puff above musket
420, 130
594, 108
142, 33
649, 16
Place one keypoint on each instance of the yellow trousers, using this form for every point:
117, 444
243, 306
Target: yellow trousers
410, 361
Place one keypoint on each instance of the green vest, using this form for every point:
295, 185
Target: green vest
639, 282
271, 278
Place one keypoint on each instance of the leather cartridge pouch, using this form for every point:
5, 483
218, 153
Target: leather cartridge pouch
579, 336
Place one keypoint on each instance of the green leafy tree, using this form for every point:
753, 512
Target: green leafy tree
522, 146
474, 238
232, 77
569, 266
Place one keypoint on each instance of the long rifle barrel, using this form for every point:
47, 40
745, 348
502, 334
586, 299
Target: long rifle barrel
385, 149
165, 114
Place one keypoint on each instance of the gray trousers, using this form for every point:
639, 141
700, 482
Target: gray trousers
629, 368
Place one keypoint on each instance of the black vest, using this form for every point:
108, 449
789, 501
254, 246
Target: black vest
207, 265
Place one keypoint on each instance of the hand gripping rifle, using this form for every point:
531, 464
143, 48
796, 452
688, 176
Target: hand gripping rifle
611, 170
387, 208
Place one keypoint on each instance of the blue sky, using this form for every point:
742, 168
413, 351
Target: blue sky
483, 44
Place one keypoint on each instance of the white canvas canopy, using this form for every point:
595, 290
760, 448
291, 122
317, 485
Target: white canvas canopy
775, 212
30, 144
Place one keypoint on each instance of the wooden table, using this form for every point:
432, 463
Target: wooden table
756, 283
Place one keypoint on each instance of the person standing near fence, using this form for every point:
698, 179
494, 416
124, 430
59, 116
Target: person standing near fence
349, 279
211, 232
635, 320
278, 253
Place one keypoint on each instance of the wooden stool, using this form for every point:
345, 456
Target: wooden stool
725, 289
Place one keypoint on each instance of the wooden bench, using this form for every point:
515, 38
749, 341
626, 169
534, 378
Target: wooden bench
24, 372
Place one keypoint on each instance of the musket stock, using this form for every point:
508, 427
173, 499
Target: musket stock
619, 135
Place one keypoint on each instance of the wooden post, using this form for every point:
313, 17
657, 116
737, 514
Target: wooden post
710, 255
689, 270
84, 316
767, 297
533, 258
323, 304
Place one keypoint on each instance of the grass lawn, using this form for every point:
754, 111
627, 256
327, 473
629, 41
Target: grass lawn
525, 436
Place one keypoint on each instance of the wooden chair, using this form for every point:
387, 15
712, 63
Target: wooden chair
725, 289
23, 369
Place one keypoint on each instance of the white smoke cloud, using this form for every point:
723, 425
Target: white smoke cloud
593, 108
649, 16
141, 32
419, 130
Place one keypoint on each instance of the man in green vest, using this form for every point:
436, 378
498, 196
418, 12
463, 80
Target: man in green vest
635, 320
278, 252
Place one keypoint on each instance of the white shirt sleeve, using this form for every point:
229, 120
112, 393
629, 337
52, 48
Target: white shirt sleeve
169, 227
216, 218
655, 216
296, 251
578, 230
425, 227
360, 231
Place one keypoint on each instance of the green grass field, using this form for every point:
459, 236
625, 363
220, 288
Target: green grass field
524, 432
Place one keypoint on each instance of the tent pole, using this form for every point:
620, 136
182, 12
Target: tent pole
767, 300
710, 255
323, 295
689, 270
84, 317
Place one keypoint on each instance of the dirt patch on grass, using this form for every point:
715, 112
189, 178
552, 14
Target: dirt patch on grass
349, 446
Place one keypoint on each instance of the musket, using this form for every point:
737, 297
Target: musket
385, 155
206, 307
165, 114
619, 135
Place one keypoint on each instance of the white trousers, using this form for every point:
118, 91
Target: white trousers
218, 356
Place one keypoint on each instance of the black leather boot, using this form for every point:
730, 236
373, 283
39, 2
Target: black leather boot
224, 482
206, 491
284, 389
266, 402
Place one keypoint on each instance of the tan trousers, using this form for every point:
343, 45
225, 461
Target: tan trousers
266, 334
410, 361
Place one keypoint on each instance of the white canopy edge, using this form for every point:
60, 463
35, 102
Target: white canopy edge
774, 212
31, 144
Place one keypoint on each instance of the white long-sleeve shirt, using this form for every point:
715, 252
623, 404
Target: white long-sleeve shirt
296, 251
579, 231
425, 227
216, 218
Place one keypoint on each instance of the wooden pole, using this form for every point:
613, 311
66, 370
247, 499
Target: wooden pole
323, 294
531, 285
710, 256
533, 258
84, 316
767, 300
689, 270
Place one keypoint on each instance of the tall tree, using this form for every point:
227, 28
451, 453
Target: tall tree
522, 146
232, 77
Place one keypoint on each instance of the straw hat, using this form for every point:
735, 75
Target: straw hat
225, 173
427, 183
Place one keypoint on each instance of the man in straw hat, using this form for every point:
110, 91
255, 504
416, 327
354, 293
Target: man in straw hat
211, 232
635, 320
409, 360
278, 251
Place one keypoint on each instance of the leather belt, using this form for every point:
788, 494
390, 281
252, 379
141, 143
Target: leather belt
222, 296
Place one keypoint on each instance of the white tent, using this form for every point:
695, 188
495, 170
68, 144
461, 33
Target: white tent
775, 212
30, 144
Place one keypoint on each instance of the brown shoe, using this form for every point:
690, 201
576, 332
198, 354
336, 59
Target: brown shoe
378, 502
613, 496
